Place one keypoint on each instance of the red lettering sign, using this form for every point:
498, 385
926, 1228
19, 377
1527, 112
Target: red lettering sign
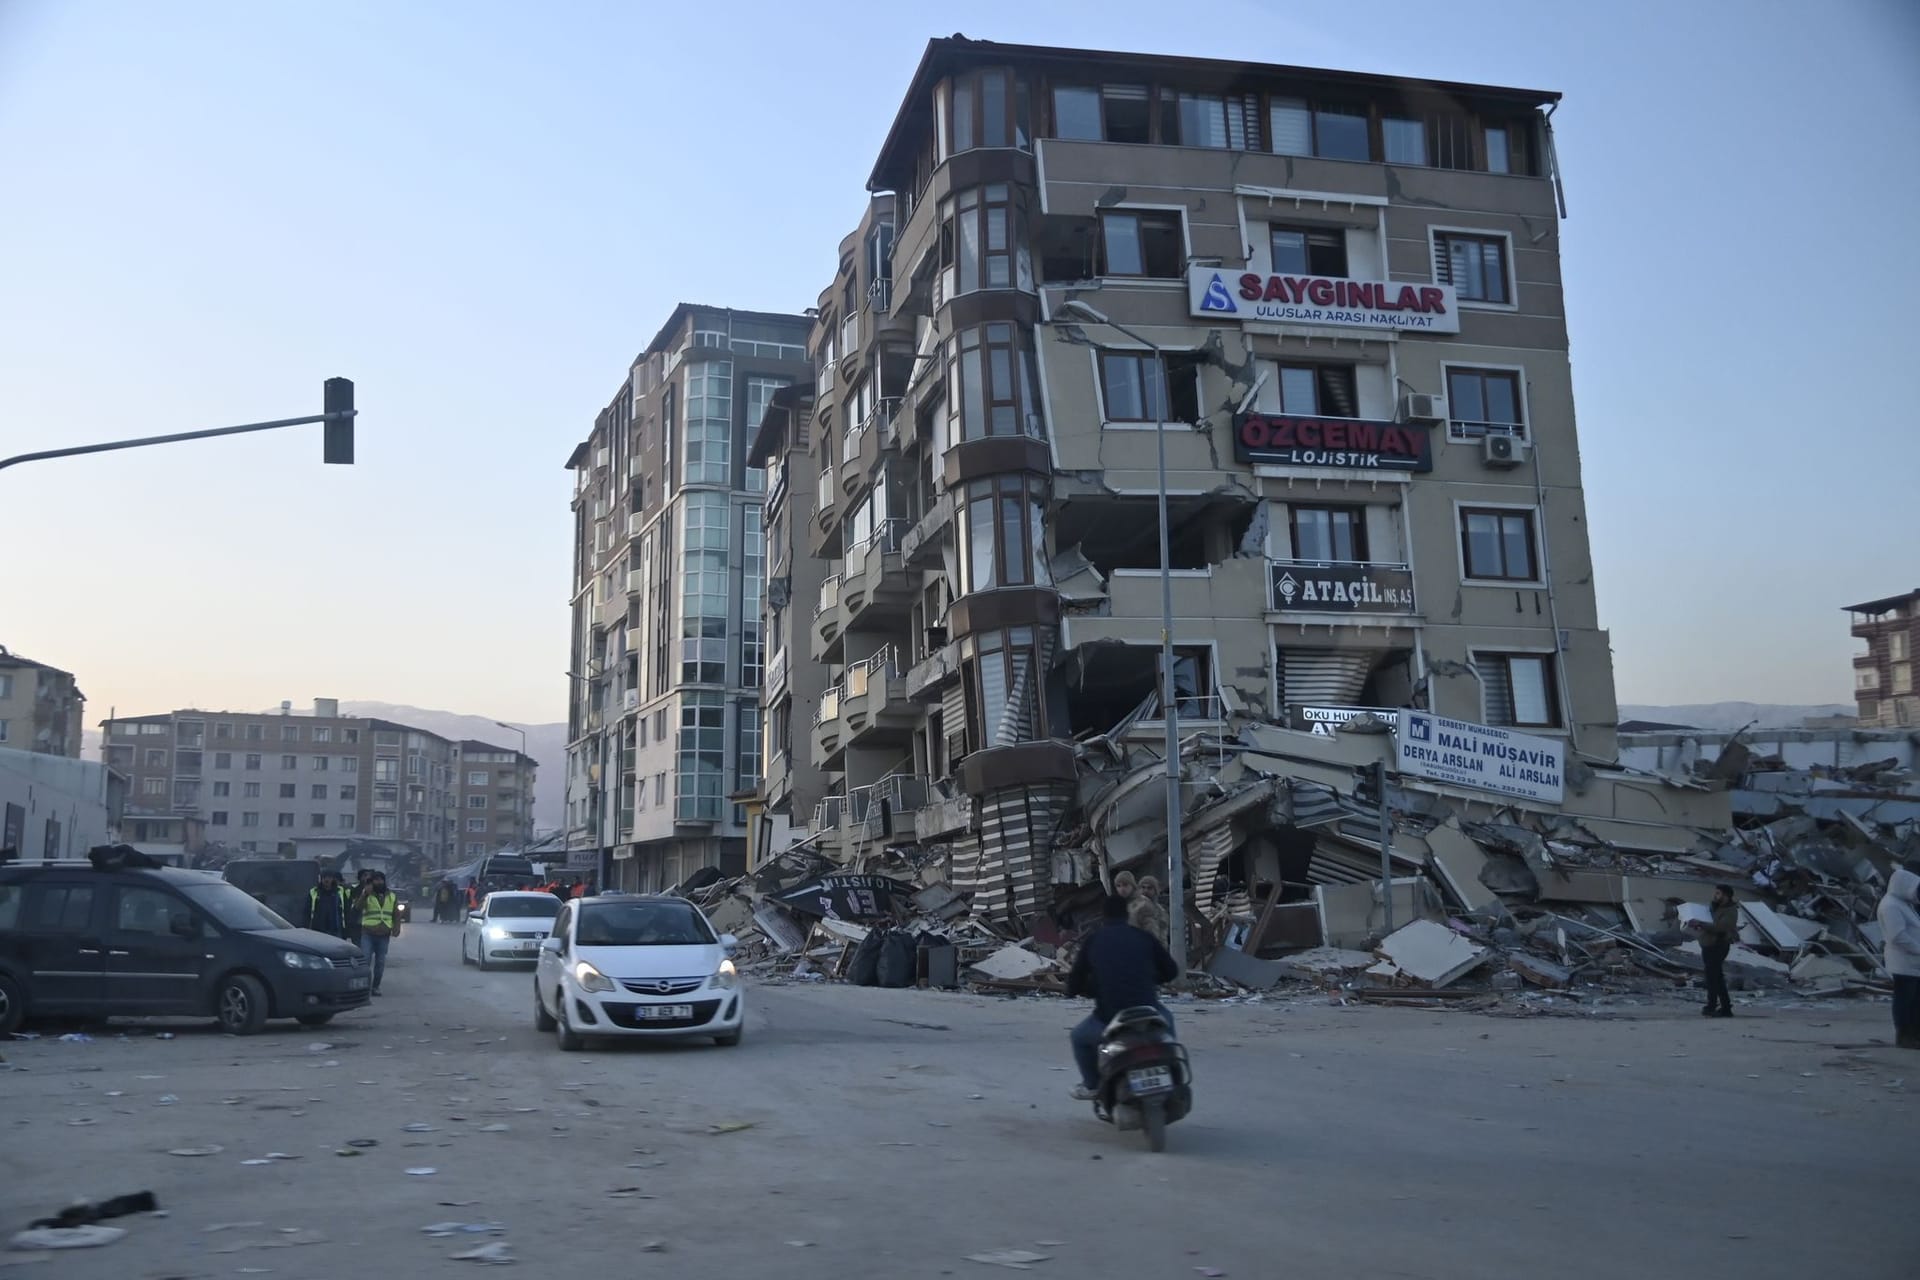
1289, 440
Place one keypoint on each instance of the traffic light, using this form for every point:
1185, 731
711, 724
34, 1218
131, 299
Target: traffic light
337, 404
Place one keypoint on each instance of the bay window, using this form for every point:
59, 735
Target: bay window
1003, 673
1002, 543
987, 109
990, 383
982, 239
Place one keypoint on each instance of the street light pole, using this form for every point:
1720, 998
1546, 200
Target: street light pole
1169, 703
337, 413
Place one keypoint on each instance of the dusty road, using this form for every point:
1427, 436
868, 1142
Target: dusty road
865, 1133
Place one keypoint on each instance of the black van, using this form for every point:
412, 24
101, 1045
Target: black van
81, 940
282, 883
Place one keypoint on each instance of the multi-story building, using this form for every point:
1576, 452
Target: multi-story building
41, 707
1883, 675
1335, 298
493, 796
285, 783
793, 784
668, 652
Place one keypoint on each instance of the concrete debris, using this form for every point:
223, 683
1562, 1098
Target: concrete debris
1015, 962
1430, 954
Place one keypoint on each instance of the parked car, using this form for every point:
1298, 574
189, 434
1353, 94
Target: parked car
509, 926
78, 940
627, 965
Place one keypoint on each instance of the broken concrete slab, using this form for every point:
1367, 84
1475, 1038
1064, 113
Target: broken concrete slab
1820, 970
1538, 971
1325, 962
1774, 928
1460, 862
1350, 913
1013, 962
1248, 971
1431, 953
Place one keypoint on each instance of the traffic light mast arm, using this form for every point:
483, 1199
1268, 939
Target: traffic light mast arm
340, 414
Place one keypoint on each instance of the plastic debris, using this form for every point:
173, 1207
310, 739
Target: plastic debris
425, 1171
420, 1128
66, 1237
210, 1150
76, 1037
497, 1253
730, 1126
441, 1229
165, 1100
495, 1128
1012, 1259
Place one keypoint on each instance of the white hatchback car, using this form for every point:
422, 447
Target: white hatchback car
508, 927
630, 965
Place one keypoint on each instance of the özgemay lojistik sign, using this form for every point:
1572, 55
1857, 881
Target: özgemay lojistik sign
1482, 757
1291, 440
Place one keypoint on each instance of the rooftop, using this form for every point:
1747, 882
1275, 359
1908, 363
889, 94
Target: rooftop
1883, 606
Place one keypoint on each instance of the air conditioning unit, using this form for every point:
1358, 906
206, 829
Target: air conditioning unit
1417, 406
1503, 451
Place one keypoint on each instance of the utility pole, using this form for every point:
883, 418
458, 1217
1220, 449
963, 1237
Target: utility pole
1386, 844
337, 411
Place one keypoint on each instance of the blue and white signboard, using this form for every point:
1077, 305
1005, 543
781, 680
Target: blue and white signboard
1482, 757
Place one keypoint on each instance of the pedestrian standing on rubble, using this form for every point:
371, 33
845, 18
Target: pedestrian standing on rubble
1144, 910
1899, 917
1716, 940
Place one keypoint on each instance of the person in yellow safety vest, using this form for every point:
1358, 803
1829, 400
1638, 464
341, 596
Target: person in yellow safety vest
379, 924
327, 905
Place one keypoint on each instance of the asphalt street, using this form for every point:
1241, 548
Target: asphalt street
868, 1133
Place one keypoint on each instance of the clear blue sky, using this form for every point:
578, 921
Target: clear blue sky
481, 211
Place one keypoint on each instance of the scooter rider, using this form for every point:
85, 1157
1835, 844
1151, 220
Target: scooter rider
1121, 967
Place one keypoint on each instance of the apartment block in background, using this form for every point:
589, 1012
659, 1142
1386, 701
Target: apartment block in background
668, 654
1883, 675
304, 785
493, 796
1339, 294
41, 707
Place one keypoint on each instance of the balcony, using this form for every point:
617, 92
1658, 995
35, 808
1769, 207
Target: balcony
921, 545
636, 523
1333, 587
878, 592
866, 443
883, 811
824, 498
630, 702
829, 621
932, 673
827, 728
942, 816
634, 582
873, 702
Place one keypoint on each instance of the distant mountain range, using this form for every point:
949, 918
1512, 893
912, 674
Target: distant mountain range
1728, 716
546, 743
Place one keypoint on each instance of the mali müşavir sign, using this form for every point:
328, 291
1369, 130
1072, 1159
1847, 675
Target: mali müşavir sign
1217, 294
1482, 757
1289, 440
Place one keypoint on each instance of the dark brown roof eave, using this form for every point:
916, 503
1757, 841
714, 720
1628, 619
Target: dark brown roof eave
945, 52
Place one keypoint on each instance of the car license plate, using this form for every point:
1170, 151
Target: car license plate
1150, 1080
356, 984
528, 948
665, 1012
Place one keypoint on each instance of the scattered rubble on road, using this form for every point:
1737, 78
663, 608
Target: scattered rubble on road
1551, 906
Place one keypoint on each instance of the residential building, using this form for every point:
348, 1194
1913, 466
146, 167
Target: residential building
53, 806
668, 653
793, 784
493, 797
1339, 296
41, 707
1883, 675
283, 783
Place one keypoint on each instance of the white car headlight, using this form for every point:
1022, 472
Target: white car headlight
725, 977
495, 932
590, 978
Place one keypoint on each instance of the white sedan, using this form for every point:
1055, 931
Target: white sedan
626, 966
508, 927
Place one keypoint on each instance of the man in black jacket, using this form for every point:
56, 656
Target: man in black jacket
1121, 967
327, 905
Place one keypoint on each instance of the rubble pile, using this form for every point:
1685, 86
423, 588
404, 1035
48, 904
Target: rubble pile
1282, 831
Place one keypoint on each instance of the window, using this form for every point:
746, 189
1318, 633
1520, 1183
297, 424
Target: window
218, 818
349, 764
476, 824
1903, 677
746, 746
1002, 687
990, 383
753, 586
317, 821
1518, 689
286, 819
289, 733
1319, 390
3, 730
476, 802
1329, 533
319, 791
385, 826
1137, 386
660, 725
249, 819
320, 763
61, 908
1482, 402
223, 730
704, 589
709, 454
255, 732
476, 777
289, 763
1309, 251
659, 788
250, 791
349, 735
349, 792
322, 734
153, 786
1498, 544
386, 768
156, 758
1476, 266
1209, 120
344, 822
222, 789
980, 238
287, 791
1002, 535
253, 762
1142, 243
1406, 140
1898, 646
701, 757
989, 109
1499, 155
148, 911
223, 760
415, 766
1334, 131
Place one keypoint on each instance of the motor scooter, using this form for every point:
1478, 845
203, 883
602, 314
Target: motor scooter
1146, 1081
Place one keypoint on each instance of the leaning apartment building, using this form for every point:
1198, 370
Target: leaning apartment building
1340, 296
